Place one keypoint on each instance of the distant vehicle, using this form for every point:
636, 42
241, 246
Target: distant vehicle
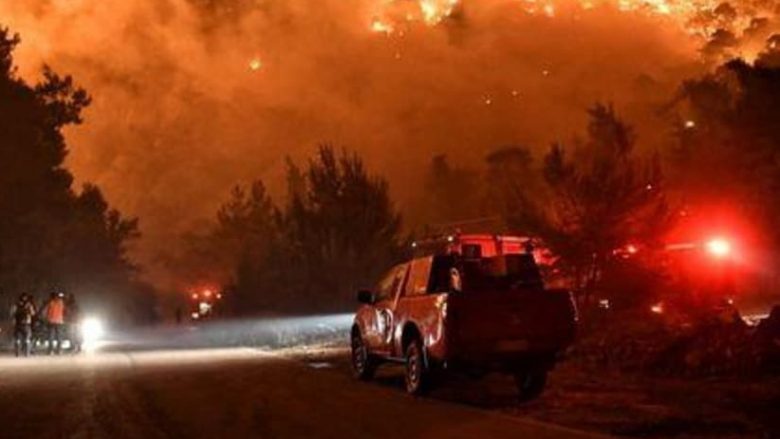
469, 303
205, 304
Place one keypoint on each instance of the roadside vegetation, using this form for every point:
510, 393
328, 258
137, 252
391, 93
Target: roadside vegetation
55, 236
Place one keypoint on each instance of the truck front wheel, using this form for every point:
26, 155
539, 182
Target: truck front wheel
530, 383
417, 375
363, 364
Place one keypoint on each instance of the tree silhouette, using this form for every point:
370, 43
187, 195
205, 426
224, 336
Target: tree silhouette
248, 234
336, 232
343, 227
511, 178
449, 194
599, 197
50, 235
728, 153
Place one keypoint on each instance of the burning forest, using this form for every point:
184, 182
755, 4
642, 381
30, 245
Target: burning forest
506, 184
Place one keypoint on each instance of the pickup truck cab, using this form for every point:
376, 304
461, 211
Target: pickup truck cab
472, 303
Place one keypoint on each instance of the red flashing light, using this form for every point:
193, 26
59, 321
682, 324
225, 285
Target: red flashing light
631, 249
194, 296
718, 247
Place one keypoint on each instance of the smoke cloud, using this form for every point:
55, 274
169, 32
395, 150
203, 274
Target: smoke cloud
191, 97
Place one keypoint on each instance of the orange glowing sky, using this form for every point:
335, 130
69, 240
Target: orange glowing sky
192, 96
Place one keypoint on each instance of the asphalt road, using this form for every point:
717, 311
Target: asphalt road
226, 393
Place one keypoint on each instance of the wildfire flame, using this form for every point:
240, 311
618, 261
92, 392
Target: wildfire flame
434, 11
380, 26
700, 18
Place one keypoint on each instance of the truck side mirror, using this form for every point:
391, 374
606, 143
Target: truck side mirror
365, 296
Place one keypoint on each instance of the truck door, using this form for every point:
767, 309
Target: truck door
414, 305
382, 322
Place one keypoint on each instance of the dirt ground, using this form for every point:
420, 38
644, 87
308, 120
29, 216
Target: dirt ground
623, 405
648, 407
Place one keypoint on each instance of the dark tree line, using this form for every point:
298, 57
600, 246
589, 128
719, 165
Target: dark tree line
338, 230
733, 151
591, 201
51, 235
599, 197
582, 202
587, 202
335, 233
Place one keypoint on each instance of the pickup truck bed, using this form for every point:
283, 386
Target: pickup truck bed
494, 325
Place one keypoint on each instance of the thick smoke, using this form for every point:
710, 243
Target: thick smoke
192, 97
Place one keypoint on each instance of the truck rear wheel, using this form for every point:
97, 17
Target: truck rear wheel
363, 364
530, 383
417, 377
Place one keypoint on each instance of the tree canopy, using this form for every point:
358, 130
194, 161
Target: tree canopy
336, 233
52, 236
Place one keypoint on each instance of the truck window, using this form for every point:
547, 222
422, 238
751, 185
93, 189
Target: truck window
472, 251
501, 273
390, 284
419, 272
478, 248
440, 278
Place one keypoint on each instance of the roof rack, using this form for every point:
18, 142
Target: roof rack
447, 243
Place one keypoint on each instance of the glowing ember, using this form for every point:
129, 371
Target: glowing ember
255, 64
381, 27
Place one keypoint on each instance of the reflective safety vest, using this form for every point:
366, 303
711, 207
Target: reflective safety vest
55, 311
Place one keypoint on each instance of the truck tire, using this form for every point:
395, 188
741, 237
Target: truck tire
363, 363
417, 375
530, 383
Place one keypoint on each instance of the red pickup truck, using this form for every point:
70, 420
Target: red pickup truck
475, 304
